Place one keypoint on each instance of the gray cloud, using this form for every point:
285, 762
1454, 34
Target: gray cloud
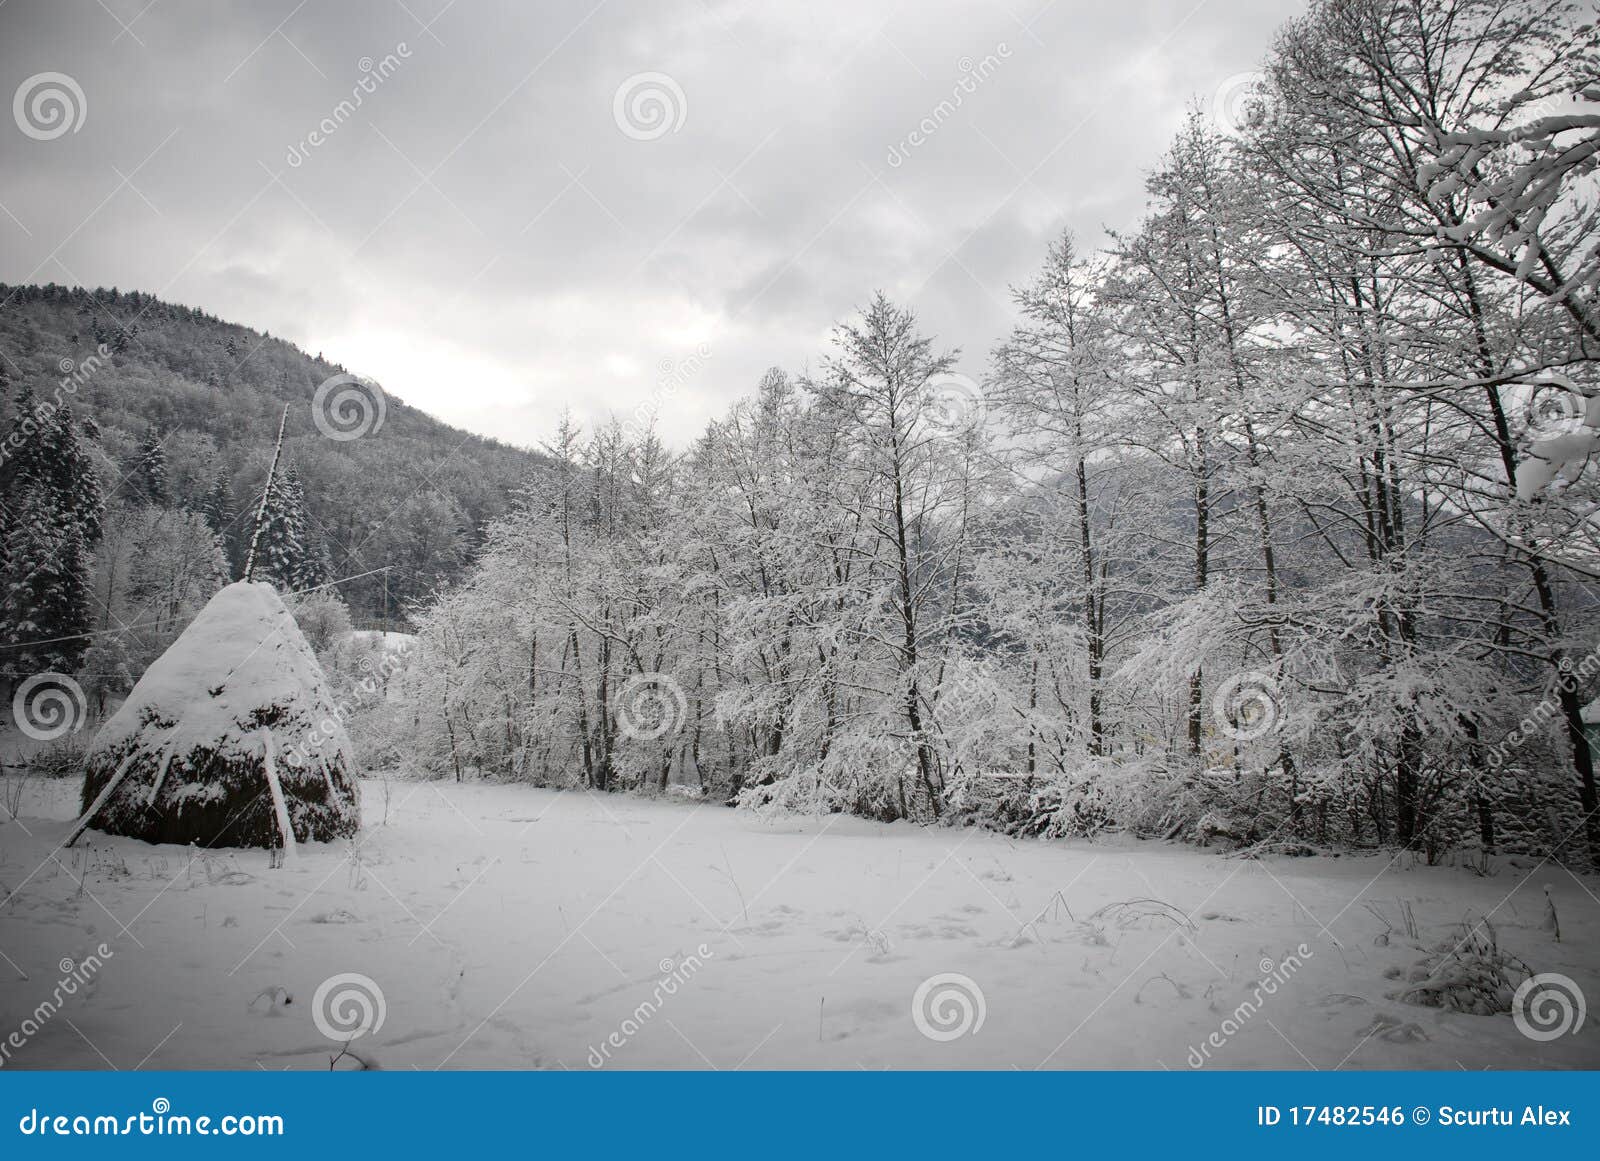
480, 235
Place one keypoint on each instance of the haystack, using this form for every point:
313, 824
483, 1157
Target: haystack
229, 739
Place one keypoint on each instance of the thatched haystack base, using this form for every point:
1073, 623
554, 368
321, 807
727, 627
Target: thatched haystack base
236, 703
216, 800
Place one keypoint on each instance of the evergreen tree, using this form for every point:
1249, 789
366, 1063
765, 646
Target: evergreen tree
52, 521
150, 482
218, 510
287, 555
312, 567
217, 506
47, 590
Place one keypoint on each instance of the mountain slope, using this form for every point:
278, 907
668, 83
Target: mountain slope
410, 497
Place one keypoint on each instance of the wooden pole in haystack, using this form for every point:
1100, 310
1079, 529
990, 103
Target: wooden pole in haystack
261, 510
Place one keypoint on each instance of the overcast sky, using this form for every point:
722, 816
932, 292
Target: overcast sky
494, 234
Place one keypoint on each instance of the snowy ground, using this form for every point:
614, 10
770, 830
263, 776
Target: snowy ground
517, 928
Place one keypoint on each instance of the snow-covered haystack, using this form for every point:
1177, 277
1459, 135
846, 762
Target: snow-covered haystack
228, 739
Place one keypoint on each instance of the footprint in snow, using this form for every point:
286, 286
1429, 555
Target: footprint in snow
766, 927
271, 1001
338, 916
1393, 1030
840, 1021
1340, 1000
937, 931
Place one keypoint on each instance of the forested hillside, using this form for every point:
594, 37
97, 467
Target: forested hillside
136, 440
187, 406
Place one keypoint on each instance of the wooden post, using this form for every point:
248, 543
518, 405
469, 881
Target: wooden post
280, 807
100, 800
261, 510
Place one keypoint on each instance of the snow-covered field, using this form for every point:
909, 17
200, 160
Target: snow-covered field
518, 928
